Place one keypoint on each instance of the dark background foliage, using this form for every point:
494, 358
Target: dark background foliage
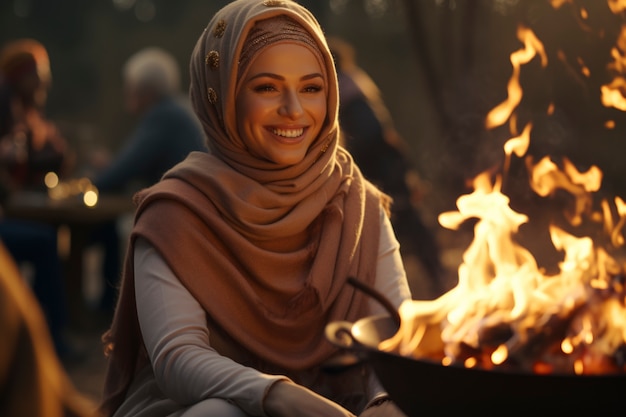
441, 65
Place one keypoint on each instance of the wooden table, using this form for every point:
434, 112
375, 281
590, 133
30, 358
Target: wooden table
80, 220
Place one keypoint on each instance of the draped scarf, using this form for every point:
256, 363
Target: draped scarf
265, 249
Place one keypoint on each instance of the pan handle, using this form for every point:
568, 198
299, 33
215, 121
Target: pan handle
339, 333
378, 296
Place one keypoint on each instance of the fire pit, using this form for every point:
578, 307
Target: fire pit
515, 336
508, 337
425, 388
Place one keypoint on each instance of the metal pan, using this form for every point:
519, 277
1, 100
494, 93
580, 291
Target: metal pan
423, 388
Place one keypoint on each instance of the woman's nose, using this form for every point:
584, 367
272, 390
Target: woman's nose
291, 105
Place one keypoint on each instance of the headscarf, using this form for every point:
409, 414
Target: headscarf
265, 249
267, 32
214, 82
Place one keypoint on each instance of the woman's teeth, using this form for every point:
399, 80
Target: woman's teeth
288, 133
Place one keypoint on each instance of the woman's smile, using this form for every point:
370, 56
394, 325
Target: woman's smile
287, 132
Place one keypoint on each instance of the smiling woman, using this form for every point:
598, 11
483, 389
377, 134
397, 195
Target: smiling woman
223, 307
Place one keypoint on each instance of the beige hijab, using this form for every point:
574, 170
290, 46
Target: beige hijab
266, 250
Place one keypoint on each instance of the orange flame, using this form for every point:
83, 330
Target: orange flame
613, 93
617, 6
547, 178
501, 286
532, 46
503, 300
558, 3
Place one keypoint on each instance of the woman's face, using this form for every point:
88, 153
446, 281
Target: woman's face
281, 105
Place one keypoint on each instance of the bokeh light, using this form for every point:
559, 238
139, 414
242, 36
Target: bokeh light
51, 180
90, 198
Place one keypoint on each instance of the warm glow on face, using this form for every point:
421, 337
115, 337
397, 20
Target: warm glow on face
281, 106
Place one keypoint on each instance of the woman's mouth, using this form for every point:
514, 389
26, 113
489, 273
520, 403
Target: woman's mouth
288, 133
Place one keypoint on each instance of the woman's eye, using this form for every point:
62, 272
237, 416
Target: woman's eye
313, 88
264, 88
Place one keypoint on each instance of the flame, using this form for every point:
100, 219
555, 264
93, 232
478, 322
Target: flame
617, 6
532, 46
504, 301
505, 309
546, 178
613, 93
558, 3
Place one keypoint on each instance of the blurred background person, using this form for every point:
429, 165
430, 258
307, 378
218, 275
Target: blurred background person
32, 381
30, 146
382, 154
166, 131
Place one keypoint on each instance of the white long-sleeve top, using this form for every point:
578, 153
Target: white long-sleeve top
174, 328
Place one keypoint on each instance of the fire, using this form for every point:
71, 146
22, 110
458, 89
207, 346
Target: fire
613, 93
506, 312
532, 46
546, 178
617, 6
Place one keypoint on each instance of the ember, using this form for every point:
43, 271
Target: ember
506, 312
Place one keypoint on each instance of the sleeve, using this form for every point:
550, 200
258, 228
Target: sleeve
391, 279
176, 337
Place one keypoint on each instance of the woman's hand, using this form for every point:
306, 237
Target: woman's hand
286, 399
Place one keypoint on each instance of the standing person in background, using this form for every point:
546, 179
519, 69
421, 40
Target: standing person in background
167, 131
31, 146
240, 257
382, 154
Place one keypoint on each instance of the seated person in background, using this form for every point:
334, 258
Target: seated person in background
30, 146
382, 154
167, 129
32, 381
166, 132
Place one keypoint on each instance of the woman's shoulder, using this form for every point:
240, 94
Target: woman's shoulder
378, 196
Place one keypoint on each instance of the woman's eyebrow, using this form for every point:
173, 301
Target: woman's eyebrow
280, 77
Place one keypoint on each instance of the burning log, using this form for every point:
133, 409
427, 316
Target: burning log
579, 336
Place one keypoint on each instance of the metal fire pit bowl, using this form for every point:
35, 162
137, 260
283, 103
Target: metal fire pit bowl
423, 388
